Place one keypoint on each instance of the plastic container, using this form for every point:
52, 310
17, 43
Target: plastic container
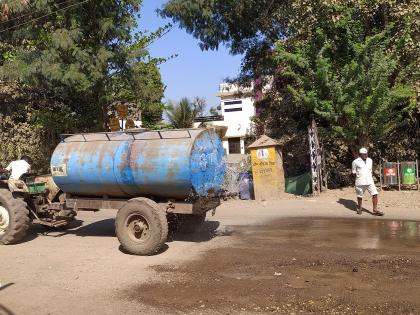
246, 187
390, 173
408, 173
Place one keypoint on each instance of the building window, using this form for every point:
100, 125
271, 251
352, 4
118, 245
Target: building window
233, 103
239, 109
234, 145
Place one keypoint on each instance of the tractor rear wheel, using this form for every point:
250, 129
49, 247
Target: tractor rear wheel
141, 227
14, 218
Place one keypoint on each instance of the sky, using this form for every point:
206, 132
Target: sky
194, 72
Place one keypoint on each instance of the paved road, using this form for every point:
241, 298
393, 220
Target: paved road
82, 270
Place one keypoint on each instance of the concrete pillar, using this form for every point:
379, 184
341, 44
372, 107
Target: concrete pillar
267, 168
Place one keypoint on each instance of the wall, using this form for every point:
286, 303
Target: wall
237, 108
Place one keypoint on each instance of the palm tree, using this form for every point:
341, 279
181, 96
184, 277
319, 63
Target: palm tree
182, 114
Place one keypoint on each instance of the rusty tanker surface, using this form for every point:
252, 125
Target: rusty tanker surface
150, 177
166, 164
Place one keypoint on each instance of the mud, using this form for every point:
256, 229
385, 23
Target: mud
297, 266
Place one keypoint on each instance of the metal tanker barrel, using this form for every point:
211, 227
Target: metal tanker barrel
169, 164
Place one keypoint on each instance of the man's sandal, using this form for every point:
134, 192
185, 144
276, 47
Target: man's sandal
378, 213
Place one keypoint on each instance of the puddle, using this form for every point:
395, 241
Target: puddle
297, 266
353, 233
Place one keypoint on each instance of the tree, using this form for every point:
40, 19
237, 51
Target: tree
213, 111
253, 27
182, 114
63, 63
350, 93
338, 62
143, 88
199, 104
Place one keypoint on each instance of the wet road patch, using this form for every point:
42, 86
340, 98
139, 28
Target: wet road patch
305, 265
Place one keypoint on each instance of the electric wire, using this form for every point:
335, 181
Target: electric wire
43, 16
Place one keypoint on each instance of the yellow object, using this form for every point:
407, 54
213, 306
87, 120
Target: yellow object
129, 124
114, 124
267, 168
122, 110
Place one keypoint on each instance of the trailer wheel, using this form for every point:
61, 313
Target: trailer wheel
189, 223
141, 227
14, 218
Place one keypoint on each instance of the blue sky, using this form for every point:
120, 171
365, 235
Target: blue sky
193, 72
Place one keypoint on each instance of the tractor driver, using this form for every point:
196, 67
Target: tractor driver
19, 167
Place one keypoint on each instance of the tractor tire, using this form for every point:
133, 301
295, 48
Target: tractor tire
14, 218
189, 223
141, 227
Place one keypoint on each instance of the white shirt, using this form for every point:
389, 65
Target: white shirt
18, 168
363, 171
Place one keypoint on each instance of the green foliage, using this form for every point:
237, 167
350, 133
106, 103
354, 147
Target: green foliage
182, 114
199, 104
350, 65
352, 95
213, 111
65, 63
253, 27
142, 86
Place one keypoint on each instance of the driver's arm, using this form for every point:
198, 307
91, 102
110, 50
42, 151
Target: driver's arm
8, 169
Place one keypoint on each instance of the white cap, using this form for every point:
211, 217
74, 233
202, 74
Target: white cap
363, 151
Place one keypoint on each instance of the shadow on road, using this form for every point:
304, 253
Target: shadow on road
106, 228
5, 311
352, 205
205, 233
4, 286
163, 249
32, 233
99, 228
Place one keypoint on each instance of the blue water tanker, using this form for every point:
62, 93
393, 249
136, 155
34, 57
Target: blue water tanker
150, 177
176, 164
156, 180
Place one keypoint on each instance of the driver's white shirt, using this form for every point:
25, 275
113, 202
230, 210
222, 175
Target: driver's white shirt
18, 168
363, 171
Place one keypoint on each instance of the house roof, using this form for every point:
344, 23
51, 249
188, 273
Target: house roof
263, 141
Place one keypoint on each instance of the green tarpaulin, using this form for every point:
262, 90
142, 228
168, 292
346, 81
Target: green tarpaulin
299, 185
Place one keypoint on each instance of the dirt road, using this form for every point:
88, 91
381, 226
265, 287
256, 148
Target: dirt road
298, 255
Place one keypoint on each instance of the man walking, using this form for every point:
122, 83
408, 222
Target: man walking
362, 168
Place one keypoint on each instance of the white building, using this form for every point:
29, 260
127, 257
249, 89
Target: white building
237, 108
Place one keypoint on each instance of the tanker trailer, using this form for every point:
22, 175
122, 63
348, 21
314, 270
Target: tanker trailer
147, 176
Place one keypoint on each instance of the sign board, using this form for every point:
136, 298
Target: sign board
390, 172
409, 176
122, 111
267, 174
114, 124
59, 170
263, 154
129, 124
